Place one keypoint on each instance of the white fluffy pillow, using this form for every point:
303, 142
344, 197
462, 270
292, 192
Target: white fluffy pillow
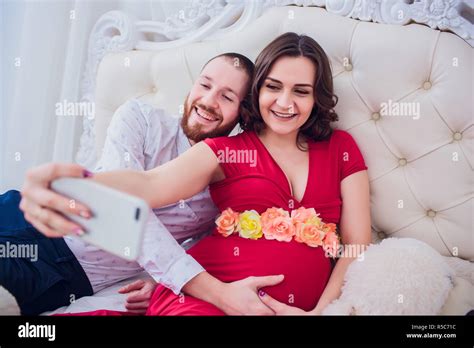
397, 276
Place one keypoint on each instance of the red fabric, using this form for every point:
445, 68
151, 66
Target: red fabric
100, 312
259, 186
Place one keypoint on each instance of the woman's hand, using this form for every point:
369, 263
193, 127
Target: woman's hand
281, 308
139, 295
42, 205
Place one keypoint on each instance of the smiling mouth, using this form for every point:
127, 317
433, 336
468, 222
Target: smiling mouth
205, 115
283, 115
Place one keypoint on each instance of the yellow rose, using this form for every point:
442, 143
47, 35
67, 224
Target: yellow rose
250, 226
315, 221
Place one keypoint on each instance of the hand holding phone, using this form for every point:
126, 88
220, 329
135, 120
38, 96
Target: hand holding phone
118, 219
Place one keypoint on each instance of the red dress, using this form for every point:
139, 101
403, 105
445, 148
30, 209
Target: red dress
259, 184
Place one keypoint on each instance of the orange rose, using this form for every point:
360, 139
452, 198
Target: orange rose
227, 222
329, 228
309, 234
280, 228
302, 215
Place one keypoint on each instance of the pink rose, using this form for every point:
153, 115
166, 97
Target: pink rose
331, 243
309, 234
272, 213
301, 215
227, 222
280, 228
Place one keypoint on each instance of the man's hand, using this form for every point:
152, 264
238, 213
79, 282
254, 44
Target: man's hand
240, 297
281, 308
236, 298
139, 295
42, 206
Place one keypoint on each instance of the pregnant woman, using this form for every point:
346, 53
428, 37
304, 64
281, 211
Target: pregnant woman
300, 163
282, 186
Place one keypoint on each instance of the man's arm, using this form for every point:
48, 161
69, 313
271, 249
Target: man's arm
125, 148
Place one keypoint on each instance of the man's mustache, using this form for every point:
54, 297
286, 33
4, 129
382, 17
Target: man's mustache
207, 109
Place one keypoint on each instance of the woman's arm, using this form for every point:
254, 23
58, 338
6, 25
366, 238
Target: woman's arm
355, 230
180, 178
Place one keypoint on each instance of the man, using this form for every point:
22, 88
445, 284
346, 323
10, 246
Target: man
141, 138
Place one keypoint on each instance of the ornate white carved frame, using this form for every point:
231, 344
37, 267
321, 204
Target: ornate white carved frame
206, 20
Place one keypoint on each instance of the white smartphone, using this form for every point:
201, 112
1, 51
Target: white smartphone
118, 220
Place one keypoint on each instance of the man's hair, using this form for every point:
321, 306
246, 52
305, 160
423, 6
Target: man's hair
240, 62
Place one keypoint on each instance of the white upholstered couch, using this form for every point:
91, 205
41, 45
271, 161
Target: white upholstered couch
420, 164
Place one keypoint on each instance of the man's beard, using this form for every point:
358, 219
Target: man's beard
195, 133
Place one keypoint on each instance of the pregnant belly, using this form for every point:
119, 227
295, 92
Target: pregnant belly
306, 269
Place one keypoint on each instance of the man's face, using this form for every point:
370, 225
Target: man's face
212, 106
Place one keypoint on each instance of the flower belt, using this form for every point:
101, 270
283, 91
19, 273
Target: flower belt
302, 224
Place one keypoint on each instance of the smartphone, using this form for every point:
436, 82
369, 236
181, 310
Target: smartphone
118, 220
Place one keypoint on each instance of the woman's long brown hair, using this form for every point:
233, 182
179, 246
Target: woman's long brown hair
317, 127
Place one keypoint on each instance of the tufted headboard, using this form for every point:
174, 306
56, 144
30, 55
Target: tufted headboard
405, 94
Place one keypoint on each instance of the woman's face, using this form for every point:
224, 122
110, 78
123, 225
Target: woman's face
286, 97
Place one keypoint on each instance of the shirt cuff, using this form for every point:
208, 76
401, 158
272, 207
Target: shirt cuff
178, 274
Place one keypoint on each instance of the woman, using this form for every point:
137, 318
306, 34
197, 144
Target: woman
287, 158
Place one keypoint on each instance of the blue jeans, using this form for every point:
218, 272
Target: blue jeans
42, 273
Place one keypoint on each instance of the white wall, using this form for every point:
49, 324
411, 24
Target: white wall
43, 49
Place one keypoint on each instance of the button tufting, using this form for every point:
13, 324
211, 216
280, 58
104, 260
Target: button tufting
427, 85
381, 234
431, 213
457, 136
375, 116
154, 89
348, 67
402, 162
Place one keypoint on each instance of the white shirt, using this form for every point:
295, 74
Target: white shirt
141, 137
